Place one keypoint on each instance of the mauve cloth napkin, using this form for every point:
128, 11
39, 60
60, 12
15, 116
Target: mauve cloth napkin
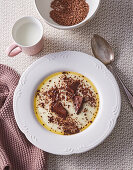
16, 152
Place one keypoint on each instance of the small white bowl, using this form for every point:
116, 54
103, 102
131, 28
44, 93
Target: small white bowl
43, 7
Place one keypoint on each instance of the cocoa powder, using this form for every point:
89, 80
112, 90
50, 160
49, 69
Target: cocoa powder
69, 12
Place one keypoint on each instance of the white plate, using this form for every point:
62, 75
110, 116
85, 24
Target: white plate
109, 94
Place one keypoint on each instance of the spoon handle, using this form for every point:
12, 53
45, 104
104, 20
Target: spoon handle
128, 93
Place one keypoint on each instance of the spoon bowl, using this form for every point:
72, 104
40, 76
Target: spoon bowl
102, 50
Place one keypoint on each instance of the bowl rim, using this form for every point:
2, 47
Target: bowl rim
69, 27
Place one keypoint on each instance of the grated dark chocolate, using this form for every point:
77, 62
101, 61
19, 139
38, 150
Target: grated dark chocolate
74, 90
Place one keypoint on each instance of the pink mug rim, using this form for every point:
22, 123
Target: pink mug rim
41, 31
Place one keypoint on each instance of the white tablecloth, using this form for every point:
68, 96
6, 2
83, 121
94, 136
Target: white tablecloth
114, 21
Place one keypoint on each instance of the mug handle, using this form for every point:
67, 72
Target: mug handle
11, 51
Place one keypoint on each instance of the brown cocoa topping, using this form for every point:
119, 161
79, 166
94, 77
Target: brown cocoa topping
63, 97
85, 110
70, 89
64, 72
69, 12
68, 125
53, 93
73, 87
42, 105
78, 103
59, 110
91, 100
51, 119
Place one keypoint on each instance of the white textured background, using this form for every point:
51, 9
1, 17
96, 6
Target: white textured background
114, 21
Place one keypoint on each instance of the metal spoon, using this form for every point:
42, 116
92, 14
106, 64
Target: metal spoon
103, 51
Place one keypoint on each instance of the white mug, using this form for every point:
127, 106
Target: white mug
27, 34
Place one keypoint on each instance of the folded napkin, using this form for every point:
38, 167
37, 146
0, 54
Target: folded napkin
16, 152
